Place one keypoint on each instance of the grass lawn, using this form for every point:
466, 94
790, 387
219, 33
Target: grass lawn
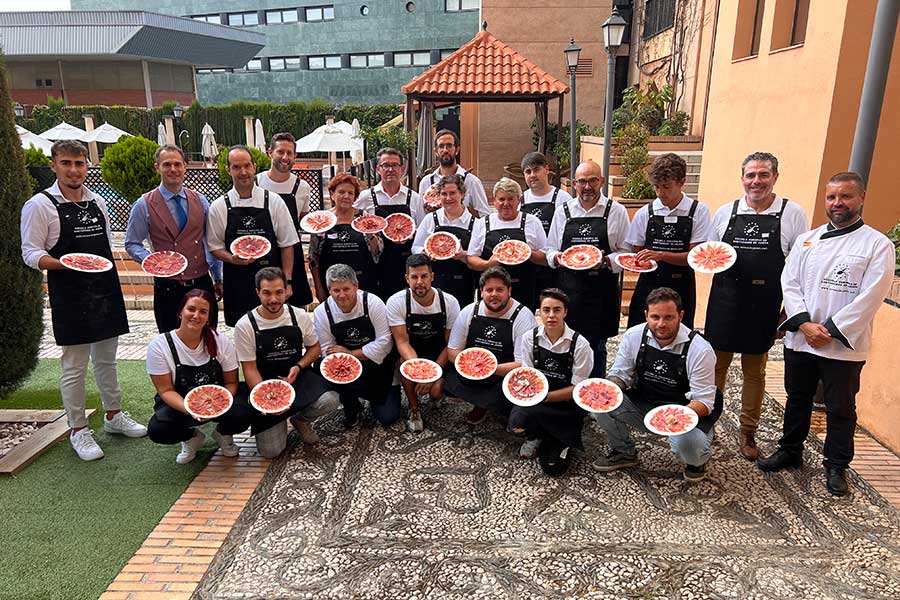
69, 526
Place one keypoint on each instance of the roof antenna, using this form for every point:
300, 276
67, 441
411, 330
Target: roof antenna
484, 25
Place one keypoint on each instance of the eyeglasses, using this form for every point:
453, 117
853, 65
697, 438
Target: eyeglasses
592, 181
388, 166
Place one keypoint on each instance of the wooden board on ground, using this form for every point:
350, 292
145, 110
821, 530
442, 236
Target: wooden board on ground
23, 415
39, 442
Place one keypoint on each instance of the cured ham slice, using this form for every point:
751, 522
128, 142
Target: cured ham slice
712, 257
629, 262
476, 363
368, 223
272, 396
442, 245
512, 252
421, 370
432, 198
341, 368
581, 257
597, 395
165, 264
86, 263
671, 419
525, 386
250, 247
400, 227
208, 401
318, 221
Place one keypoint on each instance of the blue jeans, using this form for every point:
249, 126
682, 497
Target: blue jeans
388, 411
599, 369
693, 448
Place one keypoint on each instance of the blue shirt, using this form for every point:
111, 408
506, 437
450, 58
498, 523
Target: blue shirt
138, 229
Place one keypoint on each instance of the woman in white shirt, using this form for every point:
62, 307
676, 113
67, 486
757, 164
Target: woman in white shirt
188, 357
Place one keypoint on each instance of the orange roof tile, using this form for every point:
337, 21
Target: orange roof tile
485, 66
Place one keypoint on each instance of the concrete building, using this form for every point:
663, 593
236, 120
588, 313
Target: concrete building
345, 51
114, 57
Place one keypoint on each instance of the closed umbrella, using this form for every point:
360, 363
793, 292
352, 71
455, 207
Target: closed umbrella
208, 146
29, 139
105, 134
161, 135
259, 136
356, 155
64, 131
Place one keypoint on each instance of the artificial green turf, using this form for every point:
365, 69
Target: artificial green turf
67, 527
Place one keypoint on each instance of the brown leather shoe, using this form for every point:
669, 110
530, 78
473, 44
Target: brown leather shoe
748, 445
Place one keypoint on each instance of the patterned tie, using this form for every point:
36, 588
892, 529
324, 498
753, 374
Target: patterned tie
182, 214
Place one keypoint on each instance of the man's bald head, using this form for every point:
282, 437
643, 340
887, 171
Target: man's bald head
589, 183
588, 169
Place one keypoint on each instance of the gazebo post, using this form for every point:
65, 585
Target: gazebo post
410, 152
545, 115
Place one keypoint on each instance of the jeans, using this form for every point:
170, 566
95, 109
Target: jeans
385, 412
753, 367
600, 354
74, 370
693, 448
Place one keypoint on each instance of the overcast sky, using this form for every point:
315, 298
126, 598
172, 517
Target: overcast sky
13, 5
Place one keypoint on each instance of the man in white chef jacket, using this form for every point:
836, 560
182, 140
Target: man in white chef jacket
835, 279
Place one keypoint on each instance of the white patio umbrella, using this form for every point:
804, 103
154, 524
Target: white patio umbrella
259, 136
208, 145
105, 134
32, 139
330, 138
64, 131
161, 135
356, 155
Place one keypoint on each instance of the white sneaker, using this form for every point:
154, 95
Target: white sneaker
84, 444
190, 447
123, 424
305, 430
529, 449
226, 444
326, 403
414, 422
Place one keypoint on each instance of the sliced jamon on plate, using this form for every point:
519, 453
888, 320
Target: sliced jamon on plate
250, 247
421, 370
86, 263
165, 264
272, 396
318, 221
208, 401
512, 252
432, 198
442, 245
597, 395
629, 262
476, 363
400, 227
525, 386
341, 368
366, 223
581, 257
712, 257
671, 419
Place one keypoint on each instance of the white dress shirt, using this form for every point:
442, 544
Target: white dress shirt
285, 232
528, 197
460, 332
245, 337
534, 232
793, 221
426, 227
161, 362
701, 361
616, 228
474, 197
376, 350
40, 223
285, 187
637, 233
396, 308
365, 204
583, 358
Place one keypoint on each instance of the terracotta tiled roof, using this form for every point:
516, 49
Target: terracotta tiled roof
485, 66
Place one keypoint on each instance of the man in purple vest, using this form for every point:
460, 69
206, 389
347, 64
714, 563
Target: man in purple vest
173, 217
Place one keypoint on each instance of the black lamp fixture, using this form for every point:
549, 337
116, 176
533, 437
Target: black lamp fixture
19, 110
614, 31
572, 53
177, 111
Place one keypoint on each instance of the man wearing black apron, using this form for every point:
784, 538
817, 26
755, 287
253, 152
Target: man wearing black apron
494, 323
595, 295
509, 224
565, 358
420, 318
295, 192
541, 200
248, 210
87, 309
277, 341
452, 275
665, 231
662, 362
384, 199
745, 301
355, 322
446, 150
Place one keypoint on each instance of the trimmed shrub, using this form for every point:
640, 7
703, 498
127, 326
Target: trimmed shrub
127, 166
260, 159
635, 159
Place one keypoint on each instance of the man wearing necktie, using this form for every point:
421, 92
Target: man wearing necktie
173, 217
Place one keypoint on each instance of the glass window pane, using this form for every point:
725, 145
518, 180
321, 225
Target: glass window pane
357, 61
217, 19
273, 17
289, 16
254, 65
276, 64
402, 59
316, 62
235, 20
376, 60
328, 13
421, 58
292, 63
452, 5
332, 62
470, 4
251, 19
313, 14
446, 53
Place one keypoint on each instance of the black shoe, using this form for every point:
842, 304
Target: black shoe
554, 458
614, 461
351, 418
835, 481
694, 474
780, 459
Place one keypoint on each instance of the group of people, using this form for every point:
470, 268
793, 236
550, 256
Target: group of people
386, 302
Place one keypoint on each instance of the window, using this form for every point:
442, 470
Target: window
412, 59
217, 19
284, 63
789, 23
366, 61
287, 15
43, 83
659, 15
320, 63
460, 5
244, 19
446, 53
254, 64
320, 13
757, 27
201, 71
748, 29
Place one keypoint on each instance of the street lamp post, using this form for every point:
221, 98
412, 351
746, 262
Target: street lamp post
572, 52
613, 32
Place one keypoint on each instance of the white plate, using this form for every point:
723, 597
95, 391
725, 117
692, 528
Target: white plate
440, 371
305, 226
331, 357
692, 261
617, 257
184, 264
408, 218
108, 266
518, 401
243, 237
218, 387
585, 268
456, 364
279, 382
512, 243
619, 395
649, 416
381, 227
458, 245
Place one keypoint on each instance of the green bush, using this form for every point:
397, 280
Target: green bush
260, 159
894, 235
21, 322
677, 124
389, 137
35, 157
127, 166
635, 159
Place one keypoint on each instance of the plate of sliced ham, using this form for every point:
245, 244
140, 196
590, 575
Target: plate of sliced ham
512, 252
442, 245
630, 262
581, 257
421, 370
525, 386
712, 257
165, 263
597, 395
86, 263
671, 419
367, 223
318, 221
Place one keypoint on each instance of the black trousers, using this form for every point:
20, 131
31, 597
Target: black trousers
167, 294
170, 426
840, 380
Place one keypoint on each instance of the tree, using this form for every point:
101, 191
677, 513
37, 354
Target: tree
21, 322
127, 166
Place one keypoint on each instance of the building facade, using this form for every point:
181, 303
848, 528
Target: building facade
345, 51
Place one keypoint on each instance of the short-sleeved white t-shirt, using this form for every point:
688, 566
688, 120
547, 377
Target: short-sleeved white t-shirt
245, 337
396, 308
161, 362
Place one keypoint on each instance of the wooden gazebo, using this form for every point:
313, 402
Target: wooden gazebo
485, 70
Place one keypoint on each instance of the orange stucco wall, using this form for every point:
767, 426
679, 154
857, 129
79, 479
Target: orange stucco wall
878, 401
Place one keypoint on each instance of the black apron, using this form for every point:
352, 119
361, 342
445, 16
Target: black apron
344, 245
85, 307
594, 295
745, 301
451, 275
300, 277
561, 421
667, 234
661, 378
239, 285
392, 262
522, 275
494, 334
427, 332
375, 381
544, 277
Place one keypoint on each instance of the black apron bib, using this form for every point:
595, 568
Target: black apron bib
427, 332
392, 262
300, 281
239, 285
353, 334
745, 301
594, 295
85, 307
522, 275
344, 245
661, 378
544, 277
667, 234
453, 276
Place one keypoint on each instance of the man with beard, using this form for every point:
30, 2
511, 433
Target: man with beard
494, 323
446, 150
834, 282
173, 218
278, 341
295, 193
420, 318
